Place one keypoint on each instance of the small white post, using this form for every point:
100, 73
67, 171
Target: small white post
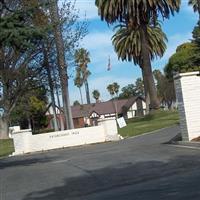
21, 141
110, 129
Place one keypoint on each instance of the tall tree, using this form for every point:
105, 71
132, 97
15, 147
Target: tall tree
96, 95
139, 14
82, 59
113, 89
116, 87
31, 108
79, 82
41, 20
186, 59
47, 66
165, 89
132, 90
73, 31
128, 43
127, 91
55, 18
19, 47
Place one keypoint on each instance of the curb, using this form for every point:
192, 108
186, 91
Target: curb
151, 132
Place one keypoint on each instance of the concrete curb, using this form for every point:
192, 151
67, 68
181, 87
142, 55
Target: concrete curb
188, 144
151, 132
176, 141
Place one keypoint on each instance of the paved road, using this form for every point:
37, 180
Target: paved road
142, 168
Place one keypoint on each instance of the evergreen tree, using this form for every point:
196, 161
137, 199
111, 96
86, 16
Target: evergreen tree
19, 46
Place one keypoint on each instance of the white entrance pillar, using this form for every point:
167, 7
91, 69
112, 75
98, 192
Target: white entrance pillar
188, 96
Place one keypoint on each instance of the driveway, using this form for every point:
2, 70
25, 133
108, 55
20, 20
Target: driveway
142, 168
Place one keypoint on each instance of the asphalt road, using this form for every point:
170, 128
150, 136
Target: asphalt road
142, 168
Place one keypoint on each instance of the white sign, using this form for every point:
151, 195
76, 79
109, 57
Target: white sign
121, 122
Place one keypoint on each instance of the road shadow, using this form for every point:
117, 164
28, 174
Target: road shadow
152, 180
8, 163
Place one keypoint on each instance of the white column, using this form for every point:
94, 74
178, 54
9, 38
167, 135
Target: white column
110, 129
188, 95
21, 141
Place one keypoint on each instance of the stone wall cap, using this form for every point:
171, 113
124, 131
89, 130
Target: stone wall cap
108, 119
22, 131
180, 75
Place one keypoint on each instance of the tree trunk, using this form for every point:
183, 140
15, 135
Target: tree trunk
147, 70
4, 128
81, 96
169, 104
87, 92
71, 123
146, 91
61, 63
47, 66
61, 127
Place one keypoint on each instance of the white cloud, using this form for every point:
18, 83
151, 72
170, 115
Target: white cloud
98, 40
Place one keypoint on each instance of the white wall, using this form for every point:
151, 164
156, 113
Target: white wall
132, 110
188, 95
25, 142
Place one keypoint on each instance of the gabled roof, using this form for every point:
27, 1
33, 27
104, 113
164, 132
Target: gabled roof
108, 107
103, 108
131, 101
81, 110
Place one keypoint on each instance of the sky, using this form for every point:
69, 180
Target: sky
98, 42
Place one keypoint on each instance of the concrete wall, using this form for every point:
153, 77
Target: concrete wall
25, 142
188, 95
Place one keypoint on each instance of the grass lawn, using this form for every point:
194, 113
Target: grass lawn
158, 120
6, 147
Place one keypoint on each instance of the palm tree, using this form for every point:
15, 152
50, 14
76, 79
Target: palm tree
55, 19
116, 88
196, 5
96, 95
139, 14
79, 82
113, 89
82, 59
136, 10
127, 42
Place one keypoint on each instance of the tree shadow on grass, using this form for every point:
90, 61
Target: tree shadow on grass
151, 180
